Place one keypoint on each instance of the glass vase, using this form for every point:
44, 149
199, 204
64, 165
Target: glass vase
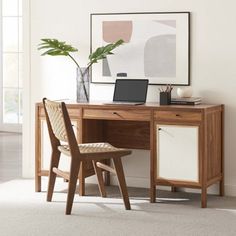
82, 85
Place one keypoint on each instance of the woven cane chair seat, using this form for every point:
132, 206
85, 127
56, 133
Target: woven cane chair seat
91, 148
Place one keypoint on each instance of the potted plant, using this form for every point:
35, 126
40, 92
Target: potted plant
55, 47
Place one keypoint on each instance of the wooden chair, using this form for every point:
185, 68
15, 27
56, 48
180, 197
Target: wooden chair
60, 130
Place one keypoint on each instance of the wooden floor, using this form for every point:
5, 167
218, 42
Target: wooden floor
10, 156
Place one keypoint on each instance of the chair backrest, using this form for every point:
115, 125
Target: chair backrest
54, 112
59, 124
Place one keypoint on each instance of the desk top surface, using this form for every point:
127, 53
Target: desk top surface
148, 105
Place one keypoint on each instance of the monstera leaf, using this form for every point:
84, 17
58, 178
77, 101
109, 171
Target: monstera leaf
54, 47
102, 52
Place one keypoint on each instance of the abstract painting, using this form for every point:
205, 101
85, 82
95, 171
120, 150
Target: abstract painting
156, 47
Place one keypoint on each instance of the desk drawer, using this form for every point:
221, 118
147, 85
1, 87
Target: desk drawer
177, 116
115, 114
73, 112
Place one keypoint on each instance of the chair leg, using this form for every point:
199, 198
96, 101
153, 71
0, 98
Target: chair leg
121, 180
74, 171
55, 158
101, 185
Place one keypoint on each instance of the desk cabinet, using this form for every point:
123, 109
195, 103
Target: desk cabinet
188, 148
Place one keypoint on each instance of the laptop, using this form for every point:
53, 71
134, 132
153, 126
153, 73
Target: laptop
130, 92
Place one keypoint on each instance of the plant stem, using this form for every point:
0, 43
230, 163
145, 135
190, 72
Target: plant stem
74, 61
82, 76
83, 82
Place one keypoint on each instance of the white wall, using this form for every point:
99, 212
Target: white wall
213, 69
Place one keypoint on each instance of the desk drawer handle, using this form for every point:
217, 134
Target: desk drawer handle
116, 113
177, 115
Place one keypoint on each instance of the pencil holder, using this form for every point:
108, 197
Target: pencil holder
165, 98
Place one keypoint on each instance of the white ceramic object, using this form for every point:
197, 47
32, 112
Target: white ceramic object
185, 92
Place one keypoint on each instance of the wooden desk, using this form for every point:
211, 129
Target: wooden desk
195, 134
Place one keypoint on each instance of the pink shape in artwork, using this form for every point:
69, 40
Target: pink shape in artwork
115, 30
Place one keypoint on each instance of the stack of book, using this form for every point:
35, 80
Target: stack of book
186, 101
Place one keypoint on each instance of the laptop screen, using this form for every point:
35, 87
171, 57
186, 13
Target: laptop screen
130, 90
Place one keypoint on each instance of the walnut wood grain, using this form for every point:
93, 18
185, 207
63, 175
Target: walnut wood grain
74, 112
134, 127
38, 154
117, 114
177, 116
214, 137
222, 189
130, 134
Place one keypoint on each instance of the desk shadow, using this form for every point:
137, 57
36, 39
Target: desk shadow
163, 197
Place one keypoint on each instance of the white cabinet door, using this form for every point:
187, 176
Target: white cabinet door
177, 152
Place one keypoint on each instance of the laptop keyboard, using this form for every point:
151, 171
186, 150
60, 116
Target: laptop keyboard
124, 103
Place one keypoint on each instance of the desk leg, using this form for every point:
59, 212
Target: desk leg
153, 194
37, 151
107, 174
37, 183
82, 186
173, 189
222, 188
204, 197
222, 182
153, 156
81, 180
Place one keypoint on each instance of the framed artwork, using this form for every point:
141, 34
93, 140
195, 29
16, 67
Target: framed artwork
156, 47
